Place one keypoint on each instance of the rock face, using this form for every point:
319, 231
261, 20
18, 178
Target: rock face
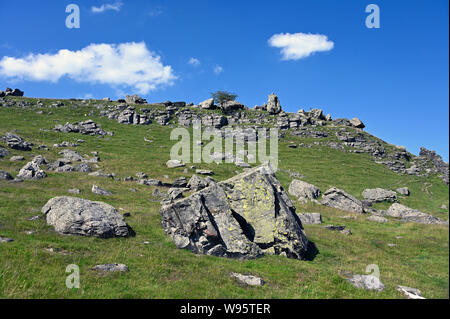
243, 217
379, 195
303, 191
16, 142
412, 215
273, 104
339, 199
368, 282
77, 216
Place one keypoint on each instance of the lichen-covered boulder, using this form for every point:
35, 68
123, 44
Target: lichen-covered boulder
243, 217
78, 216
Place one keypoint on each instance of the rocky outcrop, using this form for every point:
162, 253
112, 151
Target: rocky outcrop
243, 217
11, 92
14, 141
77, 216
273, 104
376, 195
135, 99
303, 191
88, 127
407, 214
339, 199
441, 166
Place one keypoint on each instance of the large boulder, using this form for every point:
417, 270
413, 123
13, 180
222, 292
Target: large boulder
356, 122
407, 214
379, 195
303, 191
243, 217
77, 216
273, 104
14, 141
337, 198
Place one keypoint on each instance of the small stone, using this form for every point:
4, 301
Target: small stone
110, 268
100, 191
174, 164
247, 280
17, 158
410, 293
74, 191
6, 240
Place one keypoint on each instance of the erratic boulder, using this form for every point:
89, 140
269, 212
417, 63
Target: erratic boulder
77, 216
337, 198
243, 217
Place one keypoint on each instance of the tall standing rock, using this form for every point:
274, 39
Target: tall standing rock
243, 217
273, 104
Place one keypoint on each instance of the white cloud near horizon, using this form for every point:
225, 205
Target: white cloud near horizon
295, 46
107, 6
194, 62
218, 69
127, 65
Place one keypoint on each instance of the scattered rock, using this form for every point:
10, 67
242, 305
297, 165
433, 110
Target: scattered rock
412, 215
368, 282
242, 217
110, 268
5, 176
71, 155
31, 171
100, 191
3, 152
403, 191
77, 216
174, 164
356, 122
410, 293
303, 191
204, 172
339, 199
378, 219
17, 158
310, 218
247, 280
74, 191
273, 104
16, 142
379, 195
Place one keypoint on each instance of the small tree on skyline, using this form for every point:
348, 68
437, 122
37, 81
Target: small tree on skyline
220, 97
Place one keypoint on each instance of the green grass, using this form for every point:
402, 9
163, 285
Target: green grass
159, 269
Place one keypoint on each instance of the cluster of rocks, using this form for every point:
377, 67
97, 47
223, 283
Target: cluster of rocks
11, 92
16, 142
88, 127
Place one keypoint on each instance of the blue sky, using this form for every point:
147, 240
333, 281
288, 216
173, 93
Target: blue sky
395, 78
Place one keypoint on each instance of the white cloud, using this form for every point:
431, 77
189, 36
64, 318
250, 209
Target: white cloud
107, 6
297, 46
194, 61
218, 69
129, 65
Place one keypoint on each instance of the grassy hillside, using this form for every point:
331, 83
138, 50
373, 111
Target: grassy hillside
158, 269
